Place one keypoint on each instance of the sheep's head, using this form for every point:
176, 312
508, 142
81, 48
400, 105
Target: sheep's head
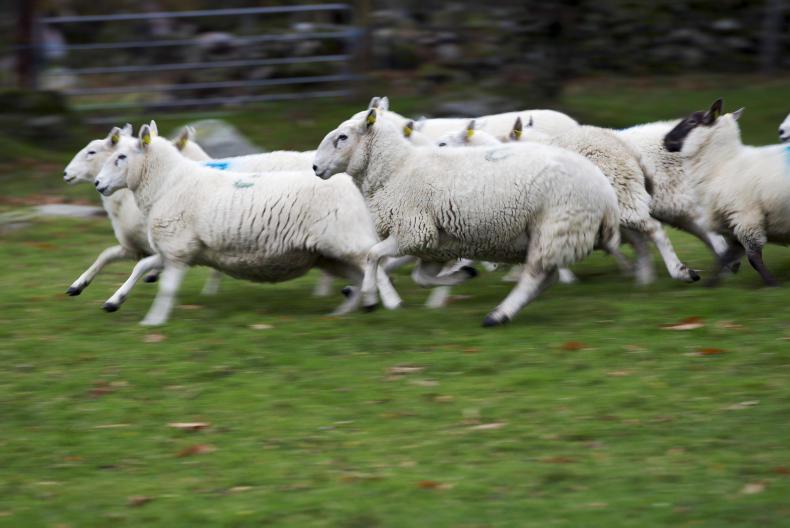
694, 131
784, 130
337, 150
87, 163
469, 136
124, 167
186, 144
411, 131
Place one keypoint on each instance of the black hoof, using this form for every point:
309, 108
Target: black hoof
110, 307
73, 292
151, 278
347, 291
469, 270
370, 307
694, 275
490, 320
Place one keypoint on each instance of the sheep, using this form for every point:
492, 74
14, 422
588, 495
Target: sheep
548, 121
784, 130
674, 201
264, 227
127, 222
745, 191
548, 206
623, 166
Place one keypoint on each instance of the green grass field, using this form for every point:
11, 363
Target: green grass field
585, 411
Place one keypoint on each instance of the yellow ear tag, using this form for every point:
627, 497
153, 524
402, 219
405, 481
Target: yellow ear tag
407, 130
517, 133
182, 142
469, 133
371, 118
115, 138
146, 139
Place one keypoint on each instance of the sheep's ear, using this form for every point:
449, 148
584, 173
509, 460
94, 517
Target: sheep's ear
470, 130
715, 111
127, 130
370, 120
408, 129
518, 129
737, 114
145, 137
183, 138
114, 136
420, 123
374, 102
154, 129
384, 103
531, 122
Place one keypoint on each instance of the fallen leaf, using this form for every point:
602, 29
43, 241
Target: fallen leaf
488, 426
753, 488
573, 345
689, 323
742, 405
100, 388
261, 326
782, 470
237, 489
401, 370
138, 500
729, 325
197, 449
433, 485
710, 351
188, 426
443, 398
154, 338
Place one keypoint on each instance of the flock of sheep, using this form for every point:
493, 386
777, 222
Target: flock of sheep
534, 189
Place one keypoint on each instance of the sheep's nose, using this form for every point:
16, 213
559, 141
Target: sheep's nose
315, 167
96, 183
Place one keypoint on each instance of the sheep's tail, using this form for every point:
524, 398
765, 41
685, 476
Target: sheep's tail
609, 231
647, 168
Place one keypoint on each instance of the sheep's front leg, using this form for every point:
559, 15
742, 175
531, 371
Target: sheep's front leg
677, 270
142, 267
169, 283
733, 255
323, 288
755, 257
644, 271
211, 286
531, 284
385, 248
428, 274
111, 254
567, 276
717, 243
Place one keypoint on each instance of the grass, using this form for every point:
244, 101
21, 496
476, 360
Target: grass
583, 412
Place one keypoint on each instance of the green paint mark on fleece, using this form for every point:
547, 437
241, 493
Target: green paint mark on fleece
242, 184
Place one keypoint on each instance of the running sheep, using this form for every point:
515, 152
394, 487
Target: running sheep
264, 227
624, 169
744, 190
549, 207
128, 223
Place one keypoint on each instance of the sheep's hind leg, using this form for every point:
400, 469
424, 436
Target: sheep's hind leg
141, 268
111, 254
677, 270
755, 256
385, 248
211, 286
644, 271
532, 283
170, 281
566, 276
428, 274
732, 255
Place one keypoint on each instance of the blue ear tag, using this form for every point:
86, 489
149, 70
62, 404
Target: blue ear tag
219, 165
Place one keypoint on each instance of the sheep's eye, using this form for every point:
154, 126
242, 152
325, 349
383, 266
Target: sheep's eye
342, 137
91, 152
122, 156
442, 144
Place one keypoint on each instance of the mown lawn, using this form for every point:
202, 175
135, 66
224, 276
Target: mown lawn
585, 411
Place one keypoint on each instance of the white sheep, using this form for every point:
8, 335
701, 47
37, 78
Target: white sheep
504, 204
264, 227
784, 130
128, 223
622, 165
745, 191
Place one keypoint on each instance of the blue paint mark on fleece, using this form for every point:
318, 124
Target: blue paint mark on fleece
239, 184
219, 165
787, 156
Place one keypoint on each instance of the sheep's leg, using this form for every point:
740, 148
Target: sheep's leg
531, 284
454, 266
385, 248
426, 274
732, 255
566, 276
323, 287
677, 270
169, 283
644, 270
514, 274
111, 254
142, 267
398, 262
717, 243
438, 297
211, 286
754, 253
